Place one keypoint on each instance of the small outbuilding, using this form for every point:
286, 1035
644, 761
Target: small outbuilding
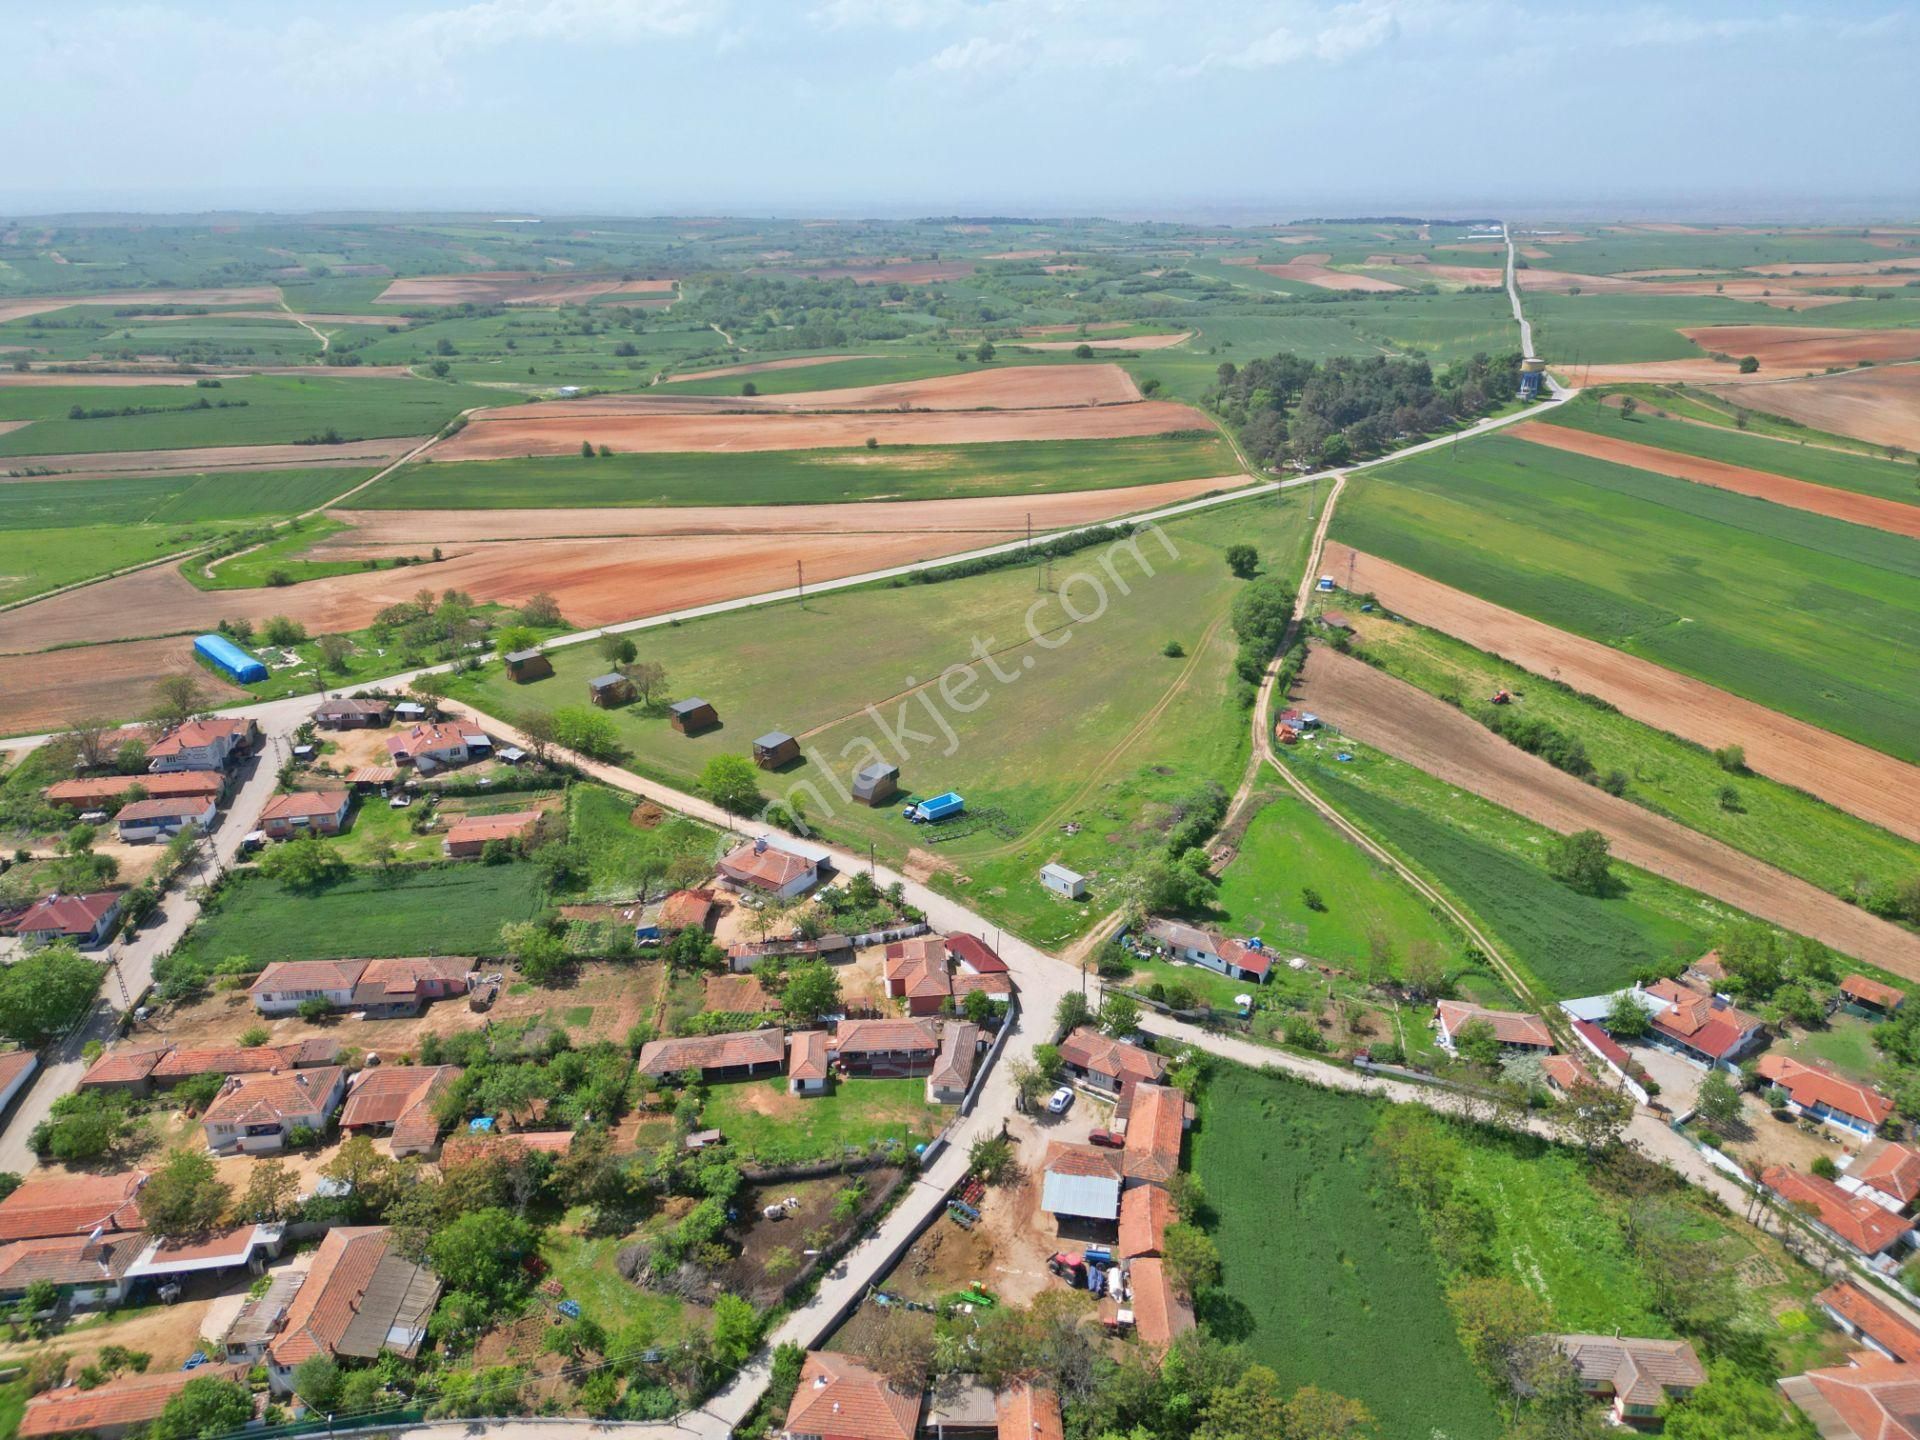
774, 749
1062, 881
610, 690
876, 783
525, 665
692, 716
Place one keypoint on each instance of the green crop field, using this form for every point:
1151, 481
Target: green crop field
1091, 726
795, 477
277, 410
621, 856
1888, 479
441, 910
766, 1123
1322, 1261
1288, 848
1490, 861
1803, 614
1671, 776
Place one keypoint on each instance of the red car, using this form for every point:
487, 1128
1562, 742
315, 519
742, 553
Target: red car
1107, 1138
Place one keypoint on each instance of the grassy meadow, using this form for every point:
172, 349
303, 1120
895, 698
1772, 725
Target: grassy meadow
1807, 615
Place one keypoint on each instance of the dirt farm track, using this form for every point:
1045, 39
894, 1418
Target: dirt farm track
1893, 516
1413, 726
1861, 781
602, 566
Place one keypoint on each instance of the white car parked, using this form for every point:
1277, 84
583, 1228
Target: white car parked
1060, 1101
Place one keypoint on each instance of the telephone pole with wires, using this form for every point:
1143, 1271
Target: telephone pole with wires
800, 581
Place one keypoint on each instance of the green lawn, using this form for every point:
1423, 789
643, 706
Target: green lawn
586, 1270
623, 856
1490, 861
1090, 724
1674, 777
1324, 1261
764, 1122
1795, 611
793, 477
1888, 479
1288, 848
277, 559
373, 820
1846, 1043
445, 910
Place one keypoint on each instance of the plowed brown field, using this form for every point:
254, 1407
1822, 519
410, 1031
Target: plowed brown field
1804, 349
516, 287
46, 692
237, 295
759, 367
1311, 269
219, 457
1410, 724
1849, 505
514, 433
1119, 342
1863, 782
1881, 407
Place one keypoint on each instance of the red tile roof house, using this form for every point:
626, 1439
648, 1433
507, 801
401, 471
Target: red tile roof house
1868, 1400
1160, 1316
399, 1100
86, 1270
387, 989
807, 1062
1109, 1065
469, 836
973, 957
87, 920
762, 865
72, 1205
109, 792
1027, 1412
114, 1409
212, 744
839, 1398
465, 1147
1819, 1094
895, 1048
284, 985
256, 1113
734, 1056
305, 812
1869, 1321
1887, 1174
916, 972
350, 714
17, 1067
139, 1071
1636, 1377
1080, 1181
1156, 1125
1514, 1029
1870, 995
436, 745
1702, 1028
360, 1297
1227, 957
952, 1069
1145, 1213
1853, 1220
158, 819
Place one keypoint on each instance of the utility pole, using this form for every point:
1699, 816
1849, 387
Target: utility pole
873, 870
800, 581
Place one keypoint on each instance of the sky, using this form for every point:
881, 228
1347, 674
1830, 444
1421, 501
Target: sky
1220, 109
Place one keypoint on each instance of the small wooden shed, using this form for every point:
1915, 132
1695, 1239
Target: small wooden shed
877, 783
690, 717
525, 665
774, 749
610, 690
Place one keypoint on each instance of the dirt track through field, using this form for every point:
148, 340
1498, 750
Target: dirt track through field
1406, 722
1863, 782
1878, 406
218, 457
513, 434
1890, 515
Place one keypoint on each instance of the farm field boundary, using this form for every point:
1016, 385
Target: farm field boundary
1427, 733
1859, 780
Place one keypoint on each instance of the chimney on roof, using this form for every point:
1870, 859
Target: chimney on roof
760, 845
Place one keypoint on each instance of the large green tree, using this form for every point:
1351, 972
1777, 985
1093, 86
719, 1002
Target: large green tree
185, 1197
203, 1409
480, 1253
46, 993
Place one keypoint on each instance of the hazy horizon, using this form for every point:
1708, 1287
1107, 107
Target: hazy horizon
1135, 109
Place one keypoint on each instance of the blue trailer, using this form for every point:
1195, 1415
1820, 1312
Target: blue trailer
938, 808
229, 659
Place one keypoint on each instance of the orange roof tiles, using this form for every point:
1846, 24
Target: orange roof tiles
686, 909
1510, 1027
1159, 1314
103, 789
1145, 1213
807, 1055
117, 1404
1154, 1128
478, 829
402, 1096
1064, 1157
304, 805
1564, 1072
866, 1037
917, 969
1875, 1400
1812, 1085
262, 1099
713, 1052
839, 1396
465, 1148
1090, 1050
357, 1281
1892, 1170
768, 869
71, 1205
1028, 1412
287, 975
1872, 992
1857, 1221
1871, 1318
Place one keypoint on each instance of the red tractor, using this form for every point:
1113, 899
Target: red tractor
1503, 697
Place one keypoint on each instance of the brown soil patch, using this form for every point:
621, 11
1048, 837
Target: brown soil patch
1119, 342
14, 379
514, 434
1406, 722
238, 295
44, 692
1311, 269
1020, 254
1889, 515
1834, 267
1861, 781
1070, 328
909, 272
646, 815
217, 457
7, 427
515, 287
758, 367
1881, 407
1803, 348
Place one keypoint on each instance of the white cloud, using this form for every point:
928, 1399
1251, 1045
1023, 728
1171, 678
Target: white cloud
976, 55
